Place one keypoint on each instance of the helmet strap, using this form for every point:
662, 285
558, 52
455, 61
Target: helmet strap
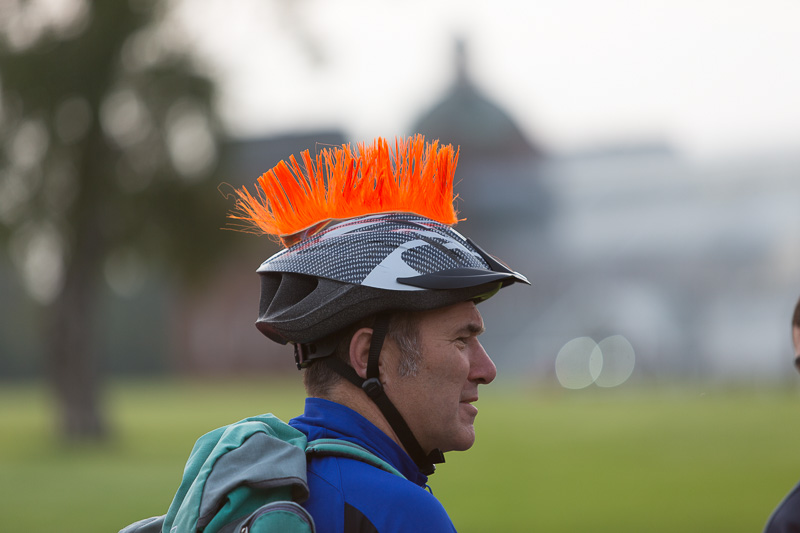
374, 389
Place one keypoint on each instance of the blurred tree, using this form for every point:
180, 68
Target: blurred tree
109, 142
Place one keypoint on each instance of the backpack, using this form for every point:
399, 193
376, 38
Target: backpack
249, 477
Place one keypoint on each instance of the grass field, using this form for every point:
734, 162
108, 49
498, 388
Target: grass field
655, 459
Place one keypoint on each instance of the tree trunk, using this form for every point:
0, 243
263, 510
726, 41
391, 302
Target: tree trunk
73, 366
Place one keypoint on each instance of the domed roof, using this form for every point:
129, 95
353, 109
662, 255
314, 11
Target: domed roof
466, 118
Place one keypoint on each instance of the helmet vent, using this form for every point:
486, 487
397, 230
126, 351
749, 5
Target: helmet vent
292, 288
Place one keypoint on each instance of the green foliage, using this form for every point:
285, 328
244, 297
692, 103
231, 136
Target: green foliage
659, 460
109, 135
109, 151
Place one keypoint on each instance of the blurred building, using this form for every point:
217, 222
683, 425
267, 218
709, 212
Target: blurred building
497, 180
696, 263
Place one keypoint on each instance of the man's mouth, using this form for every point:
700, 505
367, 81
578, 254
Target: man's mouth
468, 403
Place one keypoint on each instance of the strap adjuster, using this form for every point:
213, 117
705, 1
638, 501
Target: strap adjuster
372, 387
306, 353
303, 353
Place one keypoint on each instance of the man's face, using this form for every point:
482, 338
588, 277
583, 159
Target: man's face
796, 340
436, 403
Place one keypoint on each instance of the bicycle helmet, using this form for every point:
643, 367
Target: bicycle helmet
366, 234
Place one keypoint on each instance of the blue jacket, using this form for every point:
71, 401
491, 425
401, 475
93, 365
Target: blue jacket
786, 517
349, 495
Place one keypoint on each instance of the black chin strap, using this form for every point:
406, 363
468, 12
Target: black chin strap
374, 389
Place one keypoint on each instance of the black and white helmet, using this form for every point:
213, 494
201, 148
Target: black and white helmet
371, 264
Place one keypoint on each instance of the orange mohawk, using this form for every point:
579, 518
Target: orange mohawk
414, 177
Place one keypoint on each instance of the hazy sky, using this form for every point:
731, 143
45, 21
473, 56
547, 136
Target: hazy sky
713, 77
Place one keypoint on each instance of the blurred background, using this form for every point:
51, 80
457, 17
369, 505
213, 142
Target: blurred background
638, 161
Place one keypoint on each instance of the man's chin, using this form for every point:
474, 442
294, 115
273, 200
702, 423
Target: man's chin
464, 443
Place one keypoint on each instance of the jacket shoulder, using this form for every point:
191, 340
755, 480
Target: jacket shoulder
370, 496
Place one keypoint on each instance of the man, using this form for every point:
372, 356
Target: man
378, 295
786, 517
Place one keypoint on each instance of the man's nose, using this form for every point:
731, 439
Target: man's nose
482, 367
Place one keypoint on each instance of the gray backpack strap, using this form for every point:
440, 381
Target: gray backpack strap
350, 450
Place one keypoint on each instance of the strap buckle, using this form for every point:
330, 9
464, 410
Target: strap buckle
372, 387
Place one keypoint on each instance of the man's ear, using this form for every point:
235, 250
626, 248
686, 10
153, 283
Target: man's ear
359, 351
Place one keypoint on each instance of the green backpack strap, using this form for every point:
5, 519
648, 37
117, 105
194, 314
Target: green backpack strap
343, 448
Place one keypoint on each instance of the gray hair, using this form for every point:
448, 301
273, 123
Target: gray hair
403, 331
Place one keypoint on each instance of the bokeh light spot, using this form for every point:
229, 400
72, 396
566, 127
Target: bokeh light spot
578, 364
618, 361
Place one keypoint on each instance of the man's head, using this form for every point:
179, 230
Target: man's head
371, 257
796, 335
